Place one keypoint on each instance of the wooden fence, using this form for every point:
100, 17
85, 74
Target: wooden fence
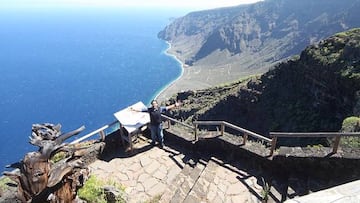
336, 135
245, 133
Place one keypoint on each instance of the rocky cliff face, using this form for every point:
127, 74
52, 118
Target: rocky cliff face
311, 92
253, 37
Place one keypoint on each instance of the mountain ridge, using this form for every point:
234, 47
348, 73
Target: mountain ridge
249, 39
315, 92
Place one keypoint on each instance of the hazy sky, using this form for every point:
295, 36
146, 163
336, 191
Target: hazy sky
197, 4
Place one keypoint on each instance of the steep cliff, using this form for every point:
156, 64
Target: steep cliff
248, 39
315, 91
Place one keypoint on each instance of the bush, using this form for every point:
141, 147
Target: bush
351, 124
93, 191
4, 181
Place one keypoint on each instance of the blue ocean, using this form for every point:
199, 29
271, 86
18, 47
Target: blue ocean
76, 66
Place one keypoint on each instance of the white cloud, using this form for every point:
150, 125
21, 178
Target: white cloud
198, 4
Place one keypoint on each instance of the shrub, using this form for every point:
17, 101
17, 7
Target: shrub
351, 124
4, 181
93, 190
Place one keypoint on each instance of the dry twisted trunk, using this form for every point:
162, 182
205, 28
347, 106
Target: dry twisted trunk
41, 180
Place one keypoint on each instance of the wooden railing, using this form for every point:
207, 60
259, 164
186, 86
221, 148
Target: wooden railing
246, 133
224, 124
100, 131
178, 122
273, 135
336, 135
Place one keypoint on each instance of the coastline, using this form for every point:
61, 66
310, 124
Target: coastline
193, 77
164, 93
198, 76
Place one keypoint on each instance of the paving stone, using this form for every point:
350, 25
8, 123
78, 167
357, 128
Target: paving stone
232, 178
216, 180
144, 161
150, 182
128, 190
178, 160
204, 185
139, 197
222, 187
178, 197
191, 199
221, 195
159, 175
121, 176
116, 162
158, 189
172, 174
220, 173
241, 198
235, 189
218, 199
126, 162
131, 175
163, 169
211, 194
135, 167
139, 187
143, 177
99, 165
102, 175
159, 172
152, 167
156, 153
129, 183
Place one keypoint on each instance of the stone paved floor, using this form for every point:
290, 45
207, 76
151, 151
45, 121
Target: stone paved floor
346, 193
151, 172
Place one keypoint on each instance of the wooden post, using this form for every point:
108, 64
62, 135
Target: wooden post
130, 141
168, 123
195, 132
273, 145
222, 129
122, 135
245, 137
336, 144
102, 135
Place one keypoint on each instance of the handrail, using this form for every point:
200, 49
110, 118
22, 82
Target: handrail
178, 122
100, 131
336, 135
245, 132
248, 132
313, 134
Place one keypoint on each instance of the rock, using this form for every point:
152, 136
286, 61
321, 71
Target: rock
113, 194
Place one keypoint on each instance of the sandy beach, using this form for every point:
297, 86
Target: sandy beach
196, 78
203, 74
191, 78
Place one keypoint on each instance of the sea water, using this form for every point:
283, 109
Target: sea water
76, 66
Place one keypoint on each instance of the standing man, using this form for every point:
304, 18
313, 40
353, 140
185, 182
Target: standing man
156, 126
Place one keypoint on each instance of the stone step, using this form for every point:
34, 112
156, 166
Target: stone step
183, 183
189, 182
224, 182
201, 188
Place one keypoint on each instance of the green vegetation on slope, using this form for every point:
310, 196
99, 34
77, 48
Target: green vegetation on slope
253, 37
93, 191
351, 124
313, 92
